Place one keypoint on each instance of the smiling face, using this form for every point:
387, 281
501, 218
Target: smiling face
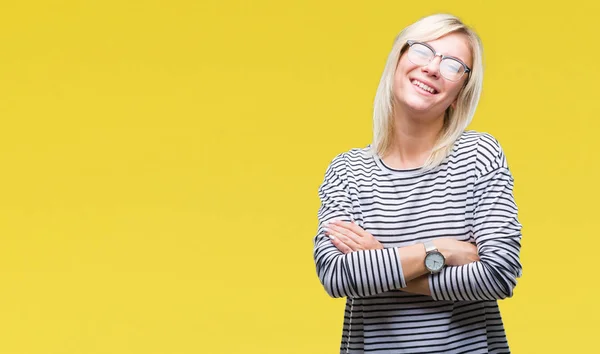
423, 90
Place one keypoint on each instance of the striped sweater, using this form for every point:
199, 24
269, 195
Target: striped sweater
469, 197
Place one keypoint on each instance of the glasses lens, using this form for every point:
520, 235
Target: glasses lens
451, 69
419, 54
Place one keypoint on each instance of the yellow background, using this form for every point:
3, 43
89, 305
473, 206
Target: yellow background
160, 163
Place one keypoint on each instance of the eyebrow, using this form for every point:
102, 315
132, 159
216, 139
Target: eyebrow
447, 56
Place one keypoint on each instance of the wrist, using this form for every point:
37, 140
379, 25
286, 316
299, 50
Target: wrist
441, 247
435, 260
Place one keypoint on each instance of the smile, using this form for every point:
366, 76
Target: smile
424, 87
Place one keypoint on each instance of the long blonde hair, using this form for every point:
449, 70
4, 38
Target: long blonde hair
455, 120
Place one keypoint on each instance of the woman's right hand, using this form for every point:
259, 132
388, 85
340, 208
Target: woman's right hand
456, 253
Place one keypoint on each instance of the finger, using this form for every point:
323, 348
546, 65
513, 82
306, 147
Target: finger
343, 239
347, 233
340, 245
352, 226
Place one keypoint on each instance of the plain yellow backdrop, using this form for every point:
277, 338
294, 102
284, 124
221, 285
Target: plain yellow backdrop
160, 163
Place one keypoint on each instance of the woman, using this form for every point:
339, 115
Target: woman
419, 229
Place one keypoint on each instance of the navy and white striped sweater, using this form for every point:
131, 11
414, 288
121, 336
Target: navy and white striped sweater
468, 197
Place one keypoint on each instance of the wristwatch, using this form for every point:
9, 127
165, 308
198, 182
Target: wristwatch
434, 260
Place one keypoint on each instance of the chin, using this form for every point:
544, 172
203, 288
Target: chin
417, 104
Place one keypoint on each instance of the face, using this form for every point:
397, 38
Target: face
409, 77
434, 261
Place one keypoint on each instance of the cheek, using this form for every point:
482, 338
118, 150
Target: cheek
398, 75
403, 69
398, 85
453, 92
401, 82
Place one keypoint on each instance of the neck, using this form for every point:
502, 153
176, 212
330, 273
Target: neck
413, 139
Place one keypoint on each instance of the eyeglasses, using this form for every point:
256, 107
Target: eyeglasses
422, 54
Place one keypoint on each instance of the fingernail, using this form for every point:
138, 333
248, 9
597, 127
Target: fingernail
332, 237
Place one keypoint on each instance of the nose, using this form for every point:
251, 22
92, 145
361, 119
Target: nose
433, 68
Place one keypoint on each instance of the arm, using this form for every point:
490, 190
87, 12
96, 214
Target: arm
349, 237
497, 234
418, 285
364, 272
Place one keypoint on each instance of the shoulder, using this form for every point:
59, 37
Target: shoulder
470, 139
351, 158
489, 153
467, 149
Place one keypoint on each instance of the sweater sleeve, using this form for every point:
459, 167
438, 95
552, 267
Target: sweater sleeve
497, 234
359, 273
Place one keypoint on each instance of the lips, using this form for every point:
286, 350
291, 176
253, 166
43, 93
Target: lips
424, 86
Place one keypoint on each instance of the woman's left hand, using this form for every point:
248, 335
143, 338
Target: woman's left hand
349, 237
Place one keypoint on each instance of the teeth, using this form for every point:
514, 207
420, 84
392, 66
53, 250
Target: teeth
423, 86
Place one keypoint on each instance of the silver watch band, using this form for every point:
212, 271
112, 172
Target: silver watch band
429, 246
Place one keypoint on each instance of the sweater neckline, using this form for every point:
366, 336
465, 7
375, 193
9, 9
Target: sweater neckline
408, 172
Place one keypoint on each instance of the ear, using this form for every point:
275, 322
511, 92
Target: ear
453, 105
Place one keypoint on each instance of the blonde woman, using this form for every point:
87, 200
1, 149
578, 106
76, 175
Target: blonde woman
419, 230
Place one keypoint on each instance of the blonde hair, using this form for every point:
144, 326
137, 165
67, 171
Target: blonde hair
455, 120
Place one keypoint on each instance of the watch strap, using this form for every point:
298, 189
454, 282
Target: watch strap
429, 246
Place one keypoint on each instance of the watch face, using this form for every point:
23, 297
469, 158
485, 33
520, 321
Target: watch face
434, 261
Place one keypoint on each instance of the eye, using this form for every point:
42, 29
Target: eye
453, 66
421, 50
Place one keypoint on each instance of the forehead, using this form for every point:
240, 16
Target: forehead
453, 44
